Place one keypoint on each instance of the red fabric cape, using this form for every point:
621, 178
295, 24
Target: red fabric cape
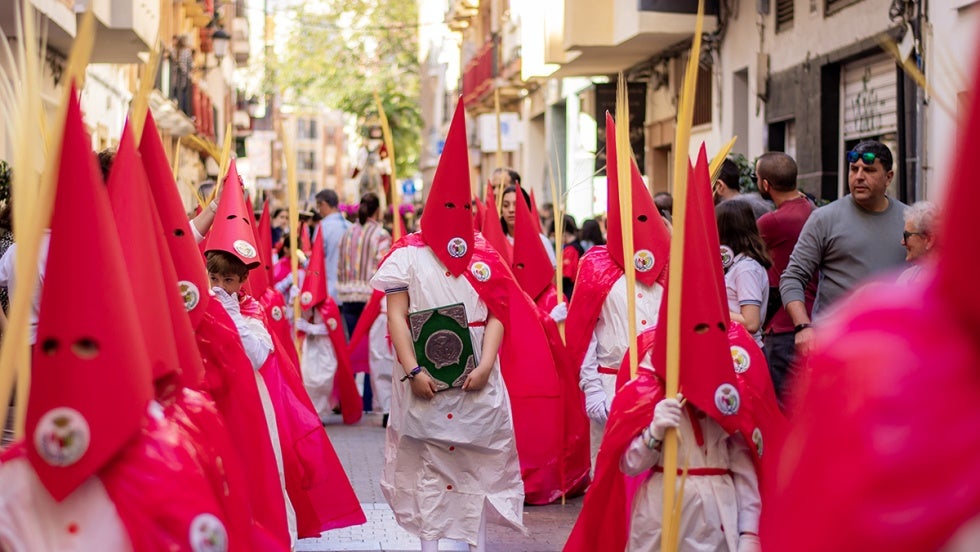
159, 489
230, 380
596, 275
528, 368
206, 439
603, 523
884, 445
371, 312
270, 299
316, 482
351, 405
574, 423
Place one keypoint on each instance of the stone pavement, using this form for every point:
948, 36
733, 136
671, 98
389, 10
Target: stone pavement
361, 450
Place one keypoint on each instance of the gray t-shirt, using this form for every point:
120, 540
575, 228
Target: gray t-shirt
747, 283
844, 244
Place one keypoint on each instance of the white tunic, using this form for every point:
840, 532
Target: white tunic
609, 343
318, 364
381, 360
716, 508
449, 459
32, 521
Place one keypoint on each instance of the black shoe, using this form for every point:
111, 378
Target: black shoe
384, 421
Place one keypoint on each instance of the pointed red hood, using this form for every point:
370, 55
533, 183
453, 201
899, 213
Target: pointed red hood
447, 221
262, 277
130, 202
489, 198
707, 377
233, 230
651, 240
304, 239
91, 379
536, 215
315, 289
481, 214
531, 265
192, 275
494, 234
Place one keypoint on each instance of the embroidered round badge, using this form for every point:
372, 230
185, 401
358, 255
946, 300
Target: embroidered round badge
643, 260
62, 436
244, 249
757, 441
208, 534
276, 313
481, 271
189, 293
332, 324
727, 399
740, 359
456, 247
306, 297
727, 256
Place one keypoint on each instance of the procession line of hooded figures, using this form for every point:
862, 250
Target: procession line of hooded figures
167, 409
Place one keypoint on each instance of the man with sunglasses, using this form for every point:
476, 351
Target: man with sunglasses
846, 241
728, 188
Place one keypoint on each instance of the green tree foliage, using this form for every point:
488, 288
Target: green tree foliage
343, 52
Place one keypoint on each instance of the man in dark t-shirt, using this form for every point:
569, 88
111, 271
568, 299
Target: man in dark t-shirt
780, 229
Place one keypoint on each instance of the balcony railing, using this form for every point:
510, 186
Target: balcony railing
480, 72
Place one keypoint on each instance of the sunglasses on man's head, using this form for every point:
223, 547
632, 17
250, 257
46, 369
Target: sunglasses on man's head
868, 157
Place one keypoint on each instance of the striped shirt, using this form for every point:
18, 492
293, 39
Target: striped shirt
361, 249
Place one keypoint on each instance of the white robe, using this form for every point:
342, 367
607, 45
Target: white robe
32, 521
716, 508
381, 360
318, 364
449, 459
609, 343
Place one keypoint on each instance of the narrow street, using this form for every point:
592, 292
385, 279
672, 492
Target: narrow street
361, 449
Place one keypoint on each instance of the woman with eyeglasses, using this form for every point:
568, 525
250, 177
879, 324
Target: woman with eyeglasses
919, 239
745, 259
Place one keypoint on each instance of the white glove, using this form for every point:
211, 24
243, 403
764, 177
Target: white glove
560, 312
302, 326
284, 284
595, 404
311, 328
749, 543
666, 414
227, 301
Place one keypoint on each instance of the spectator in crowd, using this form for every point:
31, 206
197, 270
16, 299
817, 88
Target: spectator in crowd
846, 241
591, 235
745, 260
333, 227
280, 224
780, 230
571, 252
728, 188
919, 239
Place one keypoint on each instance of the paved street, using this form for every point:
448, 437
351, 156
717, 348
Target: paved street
360, 448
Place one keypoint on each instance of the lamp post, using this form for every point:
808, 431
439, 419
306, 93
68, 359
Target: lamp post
220, 39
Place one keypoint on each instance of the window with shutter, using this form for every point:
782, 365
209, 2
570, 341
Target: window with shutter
784, 15
702, 96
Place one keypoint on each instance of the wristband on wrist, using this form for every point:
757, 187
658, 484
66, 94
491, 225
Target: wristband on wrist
411, 375
213, 206
800, 327
649, 440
